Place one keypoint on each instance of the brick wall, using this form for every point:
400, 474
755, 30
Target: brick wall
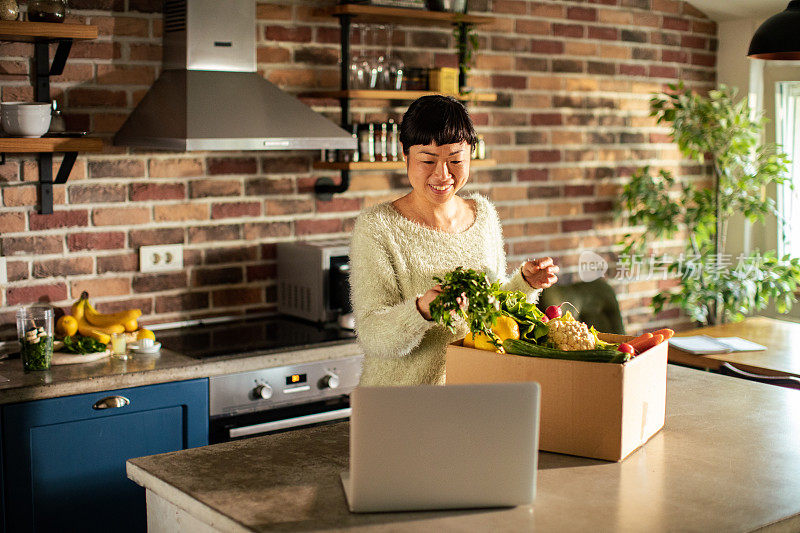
570, 124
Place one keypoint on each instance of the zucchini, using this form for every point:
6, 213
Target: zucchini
520, 347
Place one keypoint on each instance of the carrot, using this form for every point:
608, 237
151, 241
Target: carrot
640, 339
649, 343
668, 333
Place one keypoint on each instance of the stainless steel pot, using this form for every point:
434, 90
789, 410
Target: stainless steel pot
453, 6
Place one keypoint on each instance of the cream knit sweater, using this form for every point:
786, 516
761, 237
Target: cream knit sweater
393, 261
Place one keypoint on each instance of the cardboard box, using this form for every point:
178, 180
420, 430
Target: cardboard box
598, 410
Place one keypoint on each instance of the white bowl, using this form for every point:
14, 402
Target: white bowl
25, 119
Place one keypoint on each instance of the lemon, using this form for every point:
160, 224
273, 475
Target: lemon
131, 325
484, 342
469, 341
505, 328
67, 326
145, 334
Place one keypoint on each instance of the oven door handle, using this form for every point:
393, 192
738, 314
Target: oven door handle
288, 423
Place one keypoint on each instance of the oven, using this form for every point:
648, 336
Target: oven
278, 399
262, 401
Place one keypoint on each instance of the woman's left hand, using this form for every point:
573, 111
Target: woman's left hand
540, 273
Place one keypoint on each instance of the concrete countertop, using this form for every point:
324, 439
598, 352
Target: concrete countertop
138, 370
728, 459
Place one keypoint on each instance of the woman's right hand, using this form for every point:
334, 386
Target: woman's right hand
424, 301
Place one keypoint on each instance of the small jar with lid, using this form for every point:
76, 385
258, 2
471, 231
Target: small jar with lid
47, 10
9, 10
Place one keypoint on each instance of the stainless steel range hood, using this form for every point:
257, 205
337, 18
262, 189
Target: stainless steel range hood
209, 95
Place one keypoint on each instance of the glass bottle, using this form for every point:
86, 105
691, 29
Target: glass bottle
382, 142
480, 148
354, 157
394, 140
366, 142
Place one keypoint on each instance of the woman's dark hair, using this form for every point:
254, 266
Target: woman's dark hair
436, 119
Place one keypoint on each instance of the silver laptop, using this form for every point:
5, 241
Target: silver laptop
442, 447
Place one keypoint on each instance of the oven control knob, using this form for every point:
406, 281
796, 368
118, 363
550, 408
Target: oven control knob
330, 380
263, 392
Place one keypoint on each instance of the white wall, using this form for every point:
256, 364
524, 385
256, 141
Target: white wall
735, 69
756, 79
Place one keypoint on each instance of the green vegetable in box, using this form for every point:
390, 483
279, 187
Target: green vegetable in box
470, 294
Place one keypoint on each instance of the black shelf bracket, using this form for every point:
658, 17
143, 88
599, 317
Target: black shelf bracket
43, 70
46, 181
324, 188
60, 57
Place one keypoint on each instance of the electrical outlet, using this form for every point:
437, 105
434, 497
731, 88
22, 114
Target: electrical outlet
160, 258
3, 271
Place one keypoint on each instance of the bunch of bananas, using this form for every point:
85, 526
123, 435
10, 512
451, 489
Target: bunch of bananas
87, 321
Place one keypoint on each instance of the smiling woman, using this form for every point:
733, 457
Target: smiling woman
398, 247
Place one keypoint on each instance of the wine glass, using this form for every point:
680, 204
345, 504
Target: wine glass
360, 66
377, 58
394, 65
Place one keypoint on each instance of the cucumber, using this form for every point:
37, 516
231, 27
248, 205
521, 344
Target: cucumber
520, 347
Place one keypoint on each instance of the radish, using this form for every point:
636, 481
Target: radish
626, 348
553, 311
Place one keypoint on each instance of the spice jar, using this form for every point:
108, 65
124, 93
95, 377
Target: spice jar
47, 10
382, 142
366, 142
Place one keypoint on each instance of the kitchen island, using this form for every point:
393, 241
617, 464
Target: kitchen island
728, 459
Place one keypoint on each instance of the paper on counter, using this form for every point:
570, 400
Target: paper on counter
705, 345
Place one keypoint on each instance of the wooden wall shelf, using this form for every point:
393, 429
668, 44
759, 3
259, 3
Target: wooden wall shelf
347, 14
50, 144
399, 15
41, 34
369, 94
33, 31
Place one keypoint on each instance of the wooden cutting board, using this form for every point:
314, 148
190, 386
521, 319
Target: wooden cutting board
64, 358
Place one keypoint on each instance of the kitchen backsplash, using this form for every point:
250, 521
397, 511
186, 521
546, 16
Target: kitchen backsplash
571, 122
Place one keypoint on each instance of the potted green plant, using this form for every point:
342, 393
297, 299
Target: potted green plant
714, 287
467, 44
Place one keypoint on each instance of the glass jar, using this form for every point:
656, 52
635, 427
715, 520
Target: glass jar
47, 10
9, 10
35, 332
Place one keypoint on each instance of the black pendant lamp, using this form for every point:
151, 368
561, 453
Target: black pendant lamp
779, 36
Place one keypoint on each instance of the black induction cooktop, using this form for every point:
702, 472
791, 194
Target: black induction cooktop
250, 336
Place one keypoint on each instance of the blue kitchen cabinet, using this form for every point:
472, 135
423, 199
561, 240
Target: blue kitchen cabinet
64, 458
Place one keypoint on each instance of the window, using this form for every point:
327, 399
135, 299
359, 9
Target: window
788, 137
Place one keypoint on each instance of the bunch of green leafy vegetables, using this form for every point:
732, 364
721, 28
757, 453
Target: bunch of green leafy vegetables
469, 294
531, 326
80, 344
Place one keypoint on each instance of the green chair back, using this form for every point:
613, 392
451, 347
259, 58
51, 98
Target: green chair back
595, 301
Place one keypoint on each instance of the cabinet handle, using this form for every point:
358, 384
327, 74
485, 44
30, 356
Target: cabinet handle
111, 402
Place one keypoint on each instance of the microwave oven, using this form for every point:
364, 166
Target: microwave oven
313, 280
